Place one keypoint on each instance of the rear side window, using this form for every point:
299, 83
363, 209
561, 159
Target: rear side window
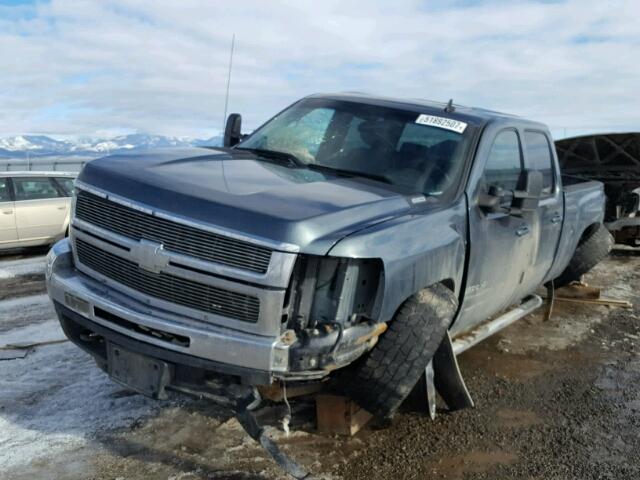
66, 184
504, 165
5, 196
34, 188
539, 157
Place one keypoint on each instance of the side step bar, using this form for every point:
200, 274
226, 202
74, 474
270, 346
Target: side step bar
443, 373
485, 330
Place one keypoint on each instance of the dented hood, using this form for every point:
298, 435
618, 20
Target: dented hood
237, 191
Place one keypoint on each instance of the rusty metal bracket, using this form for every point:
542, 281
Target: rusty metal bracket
431, 390
243, 409
551, 297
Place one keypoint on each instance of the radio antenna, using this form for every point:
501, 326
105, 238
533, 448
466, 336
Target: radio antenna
450, 108
226, 98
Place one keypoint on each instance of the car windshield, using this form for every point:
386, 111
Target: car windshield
398, 147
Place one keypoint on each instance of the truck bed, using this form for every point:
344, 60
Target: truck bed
583, 207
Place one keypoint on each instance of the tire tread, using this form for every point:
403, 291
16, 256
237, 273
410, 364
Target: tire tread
384, 378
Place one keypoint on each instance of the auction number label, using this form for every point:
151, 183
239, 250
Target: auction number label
441, 122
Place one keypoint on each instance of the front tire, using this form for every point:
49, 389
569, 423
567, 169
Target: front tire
382, 380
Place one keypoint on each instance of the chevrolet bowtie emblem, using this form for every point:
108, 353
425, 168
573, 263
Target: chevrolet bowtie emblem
150, 256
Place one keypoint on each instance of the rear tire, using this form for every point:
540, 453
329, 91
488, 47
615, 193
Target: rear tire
381, 381
593, 247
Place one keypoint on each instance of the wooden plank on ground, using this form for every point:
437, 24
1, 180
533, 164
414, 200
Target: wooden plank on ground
610, 302
275, 392
578, 291
340, 415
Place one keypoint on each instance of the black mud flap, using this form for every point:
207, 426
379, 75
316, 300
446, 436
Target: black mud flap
448, 378
258, 433
443, 376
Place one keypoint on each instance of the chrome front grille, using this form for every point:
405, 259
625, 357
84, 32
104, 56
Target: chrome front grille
169, 288
176, 237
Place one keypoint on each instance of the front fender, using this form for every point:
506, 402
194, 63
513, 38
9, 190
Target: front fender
417, 250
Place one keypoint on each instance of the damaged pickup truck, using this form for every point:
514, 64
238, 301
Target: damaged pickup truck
351, 239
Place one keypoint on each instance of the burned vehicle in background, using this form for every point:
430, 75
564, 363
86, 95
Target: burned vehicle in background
351, 237
613, 159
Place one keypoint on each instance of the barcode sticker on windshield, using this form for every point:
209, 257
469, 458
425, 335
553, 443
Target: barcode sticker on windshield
441, 122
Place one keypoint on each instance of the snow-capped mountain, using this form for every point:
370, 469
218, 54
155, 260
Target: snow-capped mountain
43, 146
33, 143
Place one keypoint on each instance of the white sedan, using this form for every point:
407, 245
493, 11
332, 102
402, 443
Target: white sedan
34, 208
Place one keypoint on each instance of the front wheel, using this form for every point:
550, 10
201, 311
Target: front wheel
381, 381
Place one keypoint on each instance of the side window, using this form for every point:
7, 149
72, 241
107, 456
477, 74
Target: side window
504, 165
66, 184
34, 188
539, 158
5, 195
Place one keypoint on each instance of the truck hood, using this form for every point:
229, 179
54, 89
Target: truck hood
236, 191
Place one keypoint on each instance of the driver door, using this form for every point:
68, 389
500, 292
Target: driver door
501, 246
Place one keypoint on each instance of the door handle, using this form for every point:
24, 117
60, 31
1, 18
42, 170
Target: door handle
522, 231
7, 212
557, 218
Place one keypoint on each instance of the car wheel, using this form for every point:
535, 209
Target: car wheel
381, 380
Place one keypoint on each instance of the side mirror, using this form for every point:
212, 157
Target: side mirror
491, 202
232, 130
527, 196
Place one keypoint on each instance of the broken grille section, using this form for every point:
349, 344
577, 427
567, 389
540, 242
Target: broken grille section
167, 287
174, 236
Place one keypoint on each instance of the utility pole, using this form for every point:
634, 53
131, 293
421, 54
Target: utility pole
226, 98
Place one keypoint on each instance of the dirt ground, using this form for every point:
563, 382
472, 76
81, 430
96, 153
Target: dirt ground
554, 400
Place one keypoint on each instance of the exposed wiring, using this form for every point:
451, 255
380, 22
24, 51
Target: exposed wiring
339, 339
286, 421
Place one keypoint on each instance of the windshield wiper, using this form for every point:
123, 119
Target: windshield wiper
347, 173
290, 158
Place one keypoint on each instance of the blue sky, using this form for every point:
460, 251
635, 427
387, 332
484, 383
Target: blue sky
95, 68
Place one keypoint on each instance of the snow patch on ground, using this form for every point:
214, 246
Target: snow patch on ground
47, 331
19, 312
13, 307
26, 266
53, 400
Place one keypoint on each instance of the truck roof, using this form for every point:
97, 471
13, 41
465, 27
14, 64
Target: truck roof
474, 115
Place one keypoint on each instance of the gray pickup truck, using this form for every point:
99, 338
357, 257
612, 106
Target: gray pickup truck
355, 240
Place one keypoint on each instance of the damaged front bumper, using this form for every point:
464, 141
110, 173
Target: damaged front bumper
91, 312
94, 316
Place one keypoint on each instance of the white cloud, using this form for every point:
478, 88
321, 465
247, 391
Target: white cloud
77, 68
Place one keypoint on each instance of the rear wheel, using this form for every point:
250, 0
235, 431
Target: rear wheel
381, 381
593, 247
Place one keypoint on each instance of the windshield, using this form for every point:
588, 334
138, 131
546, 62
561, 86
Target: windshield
376, 142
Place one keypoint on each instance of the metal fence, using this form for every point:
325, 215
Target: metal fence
43, 164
